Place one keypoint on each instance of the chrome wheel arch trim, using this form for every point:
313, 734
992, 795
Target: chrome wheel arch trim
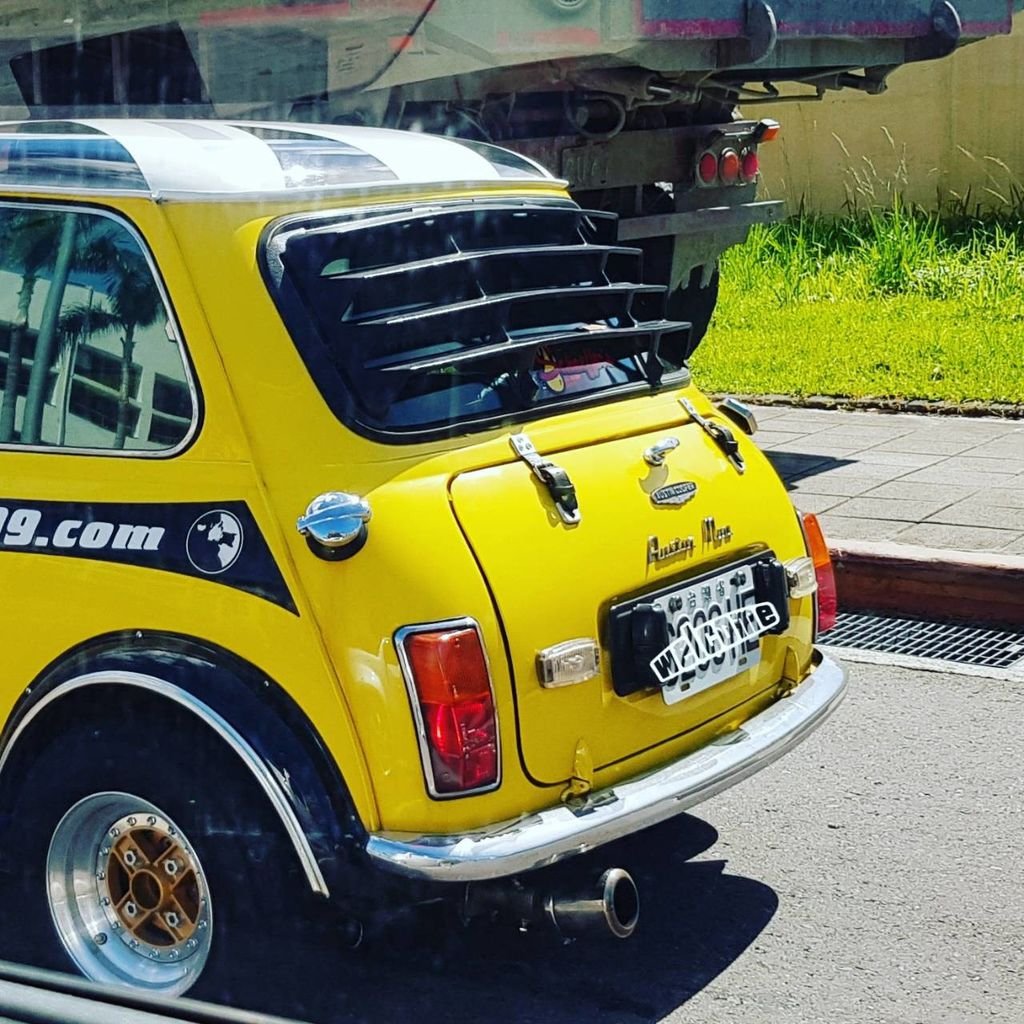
264, 775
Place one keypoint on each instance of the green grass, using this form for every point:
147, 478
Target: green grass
892, 304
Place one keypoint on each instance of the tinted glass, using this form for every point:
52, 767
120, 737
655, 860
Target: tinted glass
422, 322
87, 355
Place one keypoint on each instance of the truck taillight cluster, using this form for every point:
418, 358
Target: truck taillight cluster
453, 703
827, 603
733, 160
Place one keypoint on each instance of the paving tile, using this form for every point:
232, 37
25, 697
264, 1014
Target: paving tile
781, 457
911, 460
809, 445
854, 469
939, 474
809, 501
925, 445
774, 438
1015, 547
1009, 447
768, 412
976, 511
956, 538
864, 436
909, 511
824, 417
917, 491
976, 464
847, 528
1006, 497
829, 483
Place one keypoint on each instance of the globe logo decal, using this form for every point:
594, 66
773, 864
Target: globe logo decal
214, 541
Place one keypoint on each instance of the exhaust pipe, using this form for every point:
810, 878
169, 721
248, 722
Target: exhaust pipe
613, 906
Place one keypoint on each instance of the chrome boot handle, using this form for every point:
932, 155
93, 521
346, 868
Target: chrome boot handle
334, 525
655, 455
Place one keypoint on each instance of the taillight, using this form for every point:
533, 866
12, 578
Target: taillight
454, 701
707, 168
729, 167
818, 550
749, 166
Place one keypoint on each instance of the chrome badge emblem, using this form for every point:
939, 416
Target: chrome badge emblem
674, 494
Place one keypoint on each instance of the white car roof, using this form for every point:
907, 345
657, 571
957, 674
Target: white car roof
198, 159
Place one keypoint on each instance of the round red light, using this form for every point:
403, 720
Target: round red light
751, 165
729, 167
707, 169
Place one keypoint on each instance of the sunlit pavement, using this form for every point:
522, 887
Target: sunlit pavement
947, 482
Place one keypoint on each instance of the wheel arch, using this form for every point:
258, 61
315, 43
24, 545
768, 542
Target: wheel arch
249, 711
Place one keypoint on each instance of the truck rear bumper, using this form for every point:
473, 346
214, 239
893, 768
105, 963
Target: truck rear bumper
535, 840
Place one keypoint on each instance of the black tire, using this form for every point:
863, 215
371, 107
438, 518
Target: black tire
164, 755
696, 304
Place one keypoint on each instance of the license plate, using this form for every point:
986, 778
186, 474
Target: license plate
714, 631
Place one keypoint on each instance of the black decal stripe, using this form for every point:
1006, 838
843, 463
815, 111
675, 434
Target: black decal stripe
215, 541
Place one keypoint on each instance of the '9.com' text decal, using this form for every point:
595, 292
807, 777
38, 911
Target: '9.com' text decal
215, 541
19, 528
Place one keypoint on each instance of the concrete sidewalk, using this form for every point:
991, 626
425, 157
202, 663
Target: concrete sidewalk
941, 482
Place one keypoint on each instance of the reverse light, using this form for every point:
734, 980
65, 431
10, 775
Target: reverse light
729, 167
707, 168
453, 703
827, 603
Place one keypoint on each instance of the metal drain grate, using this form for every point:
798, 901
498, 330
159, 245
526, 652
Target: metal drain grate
968, 645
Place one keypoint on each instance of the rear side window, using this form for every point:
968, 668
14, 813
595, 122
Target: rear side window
88, 355
439, 320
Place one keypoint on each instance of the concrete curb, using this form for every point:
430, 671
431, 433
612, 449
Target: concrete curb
837, 403
931, 583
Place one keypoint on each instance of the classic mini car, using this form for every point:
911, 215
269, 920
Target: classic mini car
364, 541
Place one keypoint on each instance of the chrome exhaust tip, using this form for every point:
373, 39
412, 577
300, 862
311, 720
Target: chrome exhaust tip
615, 907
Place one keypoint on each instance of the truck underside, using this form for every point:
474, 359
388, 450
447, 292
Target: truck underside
621, 99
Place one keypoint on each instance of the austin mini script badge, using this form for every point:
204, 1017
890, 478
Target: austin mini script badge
674, 494
675, 548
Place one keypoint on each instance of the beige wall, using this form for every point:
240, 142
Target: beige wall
934, 112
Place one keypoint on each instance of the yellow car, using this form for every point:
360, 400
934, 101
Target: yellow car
363, 538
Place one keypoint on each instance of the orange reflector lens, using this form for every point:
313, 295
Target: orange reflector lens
767, 130
827, 598
453, 688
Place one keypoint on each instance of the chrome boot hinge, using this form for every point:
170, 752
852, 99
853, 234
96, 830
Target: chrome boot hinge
553, 477
721, 435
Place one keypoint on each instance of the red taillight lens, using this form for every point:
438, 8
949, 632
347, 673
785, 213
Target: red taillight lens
729, 167
818, 550
707, 168
750, 166
453, 687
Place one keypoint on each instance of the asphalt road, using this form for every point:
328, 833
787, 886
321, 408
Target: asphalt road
872, 875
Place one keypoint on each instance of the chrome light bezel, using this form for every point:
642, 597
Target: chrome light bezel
426, 763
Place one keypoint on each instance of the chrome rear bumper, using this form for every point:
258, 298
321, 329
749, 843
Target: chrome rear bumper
512, 847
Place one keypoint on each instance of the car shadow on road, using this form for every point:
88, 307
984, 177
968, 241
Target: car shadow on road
697, 919
796, 466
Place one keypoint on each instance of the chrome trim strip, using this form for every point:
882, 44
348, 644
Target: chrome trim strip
263, 773
414, 701
535, 840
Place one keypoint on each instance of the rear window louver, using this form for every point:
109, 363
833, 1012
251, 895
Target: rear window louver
416, 309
